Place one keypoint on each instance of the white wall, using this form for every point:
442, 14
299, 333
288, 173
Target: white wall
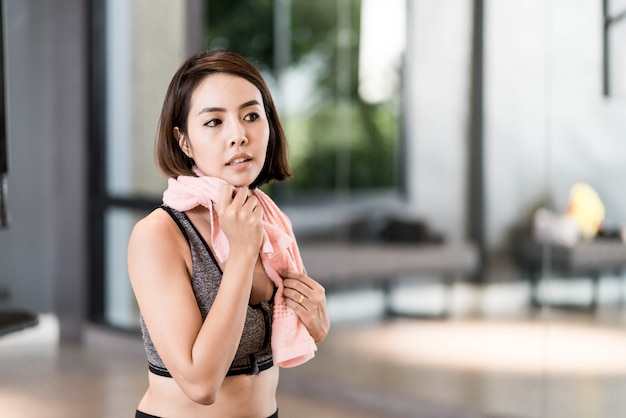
517, 113
588, 137
546, 123
438, 64
43, 253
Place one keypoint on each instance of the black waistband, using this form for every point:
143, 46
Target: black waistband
139, 414
253, 367
159, 371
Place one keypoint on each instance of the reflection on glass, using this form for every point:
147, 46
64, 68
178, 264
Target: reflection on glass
144, 46
120, 306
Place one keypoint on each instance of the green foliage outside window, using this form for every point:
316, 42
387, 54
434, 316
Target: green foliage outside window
336, 139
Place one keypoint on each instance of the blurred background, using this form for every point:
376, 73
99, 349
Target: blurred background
458, 189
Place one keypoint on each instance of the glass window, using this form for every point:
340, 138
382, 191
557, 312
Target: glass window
144, 47
141, 46
335, 70
120, 306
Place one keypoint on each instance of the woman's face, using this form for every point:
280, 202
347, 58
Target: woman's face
227, 129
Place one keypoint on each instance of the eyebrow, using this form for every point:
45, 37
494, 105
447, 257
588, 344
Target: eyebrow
221, 109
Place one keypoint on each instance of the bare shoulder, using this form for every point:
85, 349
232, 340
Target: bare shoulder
156, 241
156, 226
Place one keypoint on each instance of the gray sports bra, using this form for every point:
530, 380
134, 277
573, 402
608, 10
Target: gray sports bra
254, 353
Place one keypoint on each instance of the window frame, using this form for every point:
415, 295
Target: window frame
610, 21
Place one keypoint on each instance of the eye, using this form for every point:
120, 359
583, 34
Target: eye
213, 123
251, 117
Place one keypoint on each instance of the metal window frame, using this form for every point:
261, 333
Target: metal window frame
610, 20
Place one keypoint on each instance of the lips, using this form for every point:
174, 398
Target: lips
238, 159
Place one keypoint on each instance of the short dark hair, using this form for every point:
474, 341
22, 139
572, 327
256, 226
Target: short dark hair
170, 159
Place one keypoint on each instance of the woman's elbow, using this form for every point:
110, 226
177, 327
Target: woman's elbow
202, 394
201, 388
207, 399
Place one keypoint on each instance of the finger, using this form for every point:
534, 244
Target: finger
300, 282
289, 274
296, 300
294, 295
251, 202
240, 196
295, 285
225, 197
293, 275
226, 193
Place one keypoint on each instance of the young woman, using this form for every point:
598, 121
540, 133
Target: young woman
216, 272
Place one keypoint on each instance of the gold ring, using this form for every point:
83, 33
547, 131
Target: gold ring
301, 299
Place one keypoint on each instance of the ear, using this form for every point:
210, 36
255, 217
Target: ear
183, 142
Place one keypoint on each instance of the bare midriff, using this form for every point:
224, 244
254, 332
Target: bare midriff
240, 396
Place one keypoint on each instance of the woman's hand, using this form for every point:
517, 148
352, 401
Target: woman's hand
240, 217
308, 299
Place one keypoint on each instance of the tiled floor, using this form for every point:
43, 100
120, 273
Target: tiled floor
515, 363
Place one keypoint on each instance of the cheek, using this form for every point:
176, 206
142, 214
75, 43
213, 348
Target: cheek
206, 150
261, 137
265, 144
266, 136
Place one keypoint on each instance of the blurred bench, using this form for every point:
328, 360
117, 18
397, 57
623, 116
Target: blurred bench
12, 321
591, 259
342, 266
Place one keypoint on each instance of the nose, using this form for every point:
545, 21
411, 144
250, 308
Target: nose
237, 134
240, 140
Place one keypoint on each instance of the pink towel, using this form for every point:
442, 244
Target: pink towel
292, 344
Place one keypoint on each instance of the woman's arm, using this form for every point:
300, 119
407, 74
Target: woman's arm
196, 353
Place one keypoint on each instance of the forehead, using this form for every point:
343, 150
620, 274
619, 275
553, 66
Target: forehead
224, 90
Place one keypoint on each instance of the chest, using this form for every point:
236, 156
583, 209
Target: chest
262, 288
205, 281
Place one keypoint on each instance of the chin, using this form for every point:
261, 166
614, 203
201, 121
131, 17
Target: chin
240, 183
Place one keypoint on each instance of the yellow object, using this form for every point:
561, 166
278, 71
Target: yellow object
586, 207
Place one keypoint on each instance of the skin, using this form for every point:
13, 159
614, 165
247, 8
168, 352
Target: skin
227, 137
